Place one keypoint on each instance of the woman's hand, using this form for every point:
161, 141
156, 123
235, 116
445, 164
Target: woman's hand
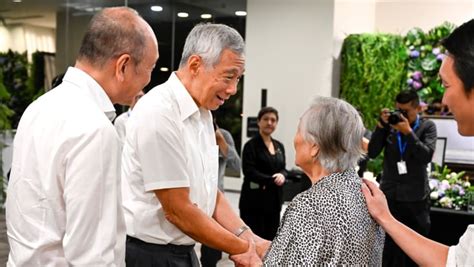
279, 179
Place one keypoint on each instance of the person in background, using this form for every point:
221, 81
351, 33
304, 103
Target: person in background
121, 121
64, 205
228, 158
456, 75
263, 164
170, 159
408, 144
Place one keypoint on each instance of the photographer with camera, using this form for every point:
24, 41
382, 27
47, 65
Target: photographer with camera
408, 141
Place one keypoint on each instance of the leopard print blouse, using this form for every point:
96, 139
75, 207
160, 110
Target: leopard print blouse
328, 224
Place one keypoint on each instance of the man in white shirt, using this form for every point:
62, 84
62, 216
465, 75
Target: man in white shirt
456, 73
170, 159
64, 200
121, 121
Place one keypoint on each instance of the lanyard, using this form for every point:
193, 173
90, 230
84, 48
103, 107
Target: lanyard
402, 146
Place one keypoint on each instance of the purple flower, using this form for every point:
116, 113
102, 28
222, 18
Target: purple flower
414, 53
433, 183
417, 85
444, 185
436, 51
410, 81
440, 57
417, 75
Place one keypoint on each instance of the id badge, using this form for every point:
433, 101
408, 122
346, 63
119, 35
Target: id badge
402, 167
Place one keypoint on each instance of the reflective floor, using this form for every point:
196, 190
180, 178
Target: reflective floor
233, 198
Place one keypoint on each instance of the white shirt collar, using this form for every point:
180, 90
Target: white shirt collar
187, 106
79, 77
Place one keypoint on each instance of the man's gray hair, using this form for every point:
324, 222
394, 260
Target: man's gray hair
111, 33
209, 40
336, 127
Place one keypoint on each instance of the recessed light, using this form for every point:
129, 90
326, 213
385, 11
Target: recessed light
156, 8
16, 1
206, 16
164, 69
241, 13
183, 15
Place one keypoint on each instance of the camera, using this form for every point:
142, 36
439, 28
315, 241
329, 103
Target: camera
394, 116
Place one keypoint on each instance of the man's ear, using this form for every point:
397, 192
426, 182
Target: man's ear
121, 64
194, 64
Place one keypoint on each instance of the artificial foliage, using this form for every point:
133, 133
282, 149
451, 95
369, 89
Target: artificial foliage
425, 57
14, 67
5, 111
373, 71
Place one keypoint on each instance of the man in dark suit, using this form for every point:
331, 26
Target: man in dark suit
408, 142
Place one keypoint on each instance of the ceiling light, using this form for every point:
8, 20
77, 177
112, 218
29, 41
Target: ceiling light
241, 13
164, 69
183, 15
16, 1
156, 8
206, 16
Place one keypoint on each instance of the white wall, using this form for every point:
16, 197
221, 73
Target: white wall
23, 37
288, 50
402, 15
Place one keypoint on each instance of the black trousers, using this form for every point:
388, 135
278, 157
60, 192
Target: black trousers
209, 256
142, 254
264, 225
415, 215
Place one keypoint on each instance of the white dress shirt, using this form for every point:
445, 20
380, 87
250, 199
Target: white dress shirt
170, 143
120, 123
63, 206
463, 253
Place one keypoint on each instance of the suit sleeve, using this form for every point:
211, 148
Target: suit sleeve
423, 148
249, 166
377, 141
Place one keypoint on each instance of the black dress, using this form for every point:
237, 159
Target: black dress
261, 199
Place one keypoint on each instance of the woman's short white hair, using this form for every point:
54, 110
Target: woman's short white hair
209, 40
336, 128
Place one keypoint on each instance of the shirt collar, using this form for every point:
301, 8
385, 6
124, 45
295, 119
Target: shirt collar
187, 106
83, 80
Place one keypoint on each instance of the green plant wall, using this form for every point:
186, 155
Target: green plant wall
425, 57
14, 67
373, 72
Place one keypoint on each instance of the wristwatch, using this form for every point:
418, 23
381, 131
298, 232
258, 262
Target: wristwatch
241, 230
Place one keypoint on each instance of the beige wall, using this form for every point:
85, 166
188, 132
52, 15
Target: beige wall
288, 49
402, 15
24, 37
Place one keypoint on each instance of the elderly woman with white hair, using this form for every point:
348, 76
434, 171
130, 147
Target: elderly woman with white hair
328, 224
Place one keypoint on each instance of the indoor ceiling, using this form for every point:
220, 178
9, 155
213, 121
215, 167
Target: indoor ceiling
43, 13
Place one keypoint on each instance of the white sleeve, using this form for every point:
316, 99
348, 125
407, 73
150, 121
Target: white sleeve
161, 150
91, 196
451, 261
463, 253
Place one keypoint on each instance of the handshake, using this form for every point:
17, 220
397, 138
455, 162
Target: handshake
257, 249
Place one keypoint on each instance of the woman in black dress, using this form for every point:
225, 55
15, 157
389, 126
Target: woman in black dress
263, 164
